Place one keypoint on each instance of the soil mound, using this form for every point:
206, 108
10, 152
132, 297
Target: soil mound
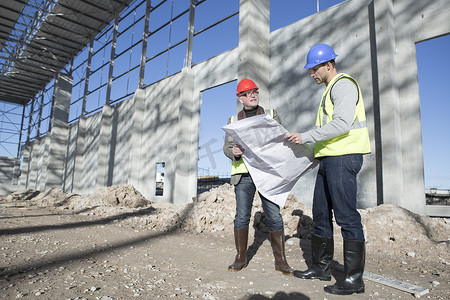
213, 212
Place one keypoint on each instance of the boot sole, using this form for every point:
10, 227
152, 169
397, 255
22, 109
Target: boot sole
313, 277
344, 292
236, 270
284, 273
321, 279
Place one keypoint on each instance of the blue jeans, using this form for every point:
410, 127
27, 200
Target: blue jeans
336, 190
245, 192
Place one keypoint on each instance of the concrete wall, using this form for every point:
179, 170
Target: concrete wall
69, 166
7, 169
9, 174
375, 41
413, 24
296, 96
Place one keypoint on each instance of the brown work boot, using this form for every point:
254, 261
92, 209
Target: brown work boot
279, 252
240, 239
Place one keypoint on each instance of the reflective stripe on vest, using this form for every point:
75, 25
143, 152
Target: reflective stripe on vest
238, 167
356, 140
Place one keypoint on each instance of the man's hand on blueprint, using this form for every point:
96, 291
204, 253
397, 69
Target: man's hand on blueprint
294, 137
274, 164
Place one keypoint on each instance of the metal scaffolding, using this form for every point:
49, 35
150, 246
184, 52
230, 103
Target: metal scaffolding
109, 48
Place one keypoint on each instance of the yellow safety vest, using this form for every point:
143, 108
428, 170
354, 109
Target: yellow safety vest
238, 167
354, 141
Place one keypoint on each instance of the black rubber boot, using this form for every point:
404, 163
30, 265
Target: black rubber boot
322, 254
279, 252
354, 260
241, 240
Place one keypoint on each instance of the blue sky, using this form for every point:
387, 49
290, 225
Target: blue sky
433, 67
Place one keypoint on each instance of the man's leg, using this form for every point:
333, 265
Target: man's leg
342, 186
343, 189
277, 238
245, 192
322, 243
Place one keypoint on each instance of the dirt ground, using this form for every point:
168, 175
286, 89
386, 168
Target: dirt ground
113, 244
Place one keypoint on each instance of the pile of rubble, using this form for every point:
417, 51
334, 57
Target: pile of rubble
213, 212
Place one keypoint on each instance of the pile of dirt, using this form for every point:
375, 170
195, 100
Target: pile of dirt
213, 211
398, 227
114, 196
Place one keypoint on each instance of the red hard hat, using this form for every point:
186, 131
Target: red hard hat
245, 85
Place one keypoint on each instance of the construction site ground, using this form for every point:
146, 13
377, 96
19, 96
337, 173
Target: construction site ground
60, 246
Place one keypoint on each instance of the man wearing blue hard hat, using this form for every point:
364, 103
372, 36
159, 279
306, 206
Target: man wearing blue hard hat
340, 140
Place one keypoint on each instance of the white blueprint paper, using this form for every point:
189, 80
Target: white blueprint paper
274, 163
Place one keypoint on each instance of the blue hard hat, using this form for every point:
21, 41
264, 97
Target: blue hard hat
319, 54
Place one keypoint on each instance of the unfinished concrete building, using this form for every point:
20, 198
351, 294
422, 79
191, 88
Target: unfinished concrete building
124, 140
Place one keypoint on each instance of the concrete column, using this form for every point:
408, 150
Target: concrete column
136, 140
39, 169
34, 164
254, 46
112, 57
185, 162
43, 156
78, 177
390, 144
412, 149
26, 153
16, 172
58, 133
148, 8
190, 35
104, 149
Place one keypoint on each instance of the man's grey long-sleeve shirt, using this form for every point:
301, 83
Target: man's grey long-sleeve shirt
344, 95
